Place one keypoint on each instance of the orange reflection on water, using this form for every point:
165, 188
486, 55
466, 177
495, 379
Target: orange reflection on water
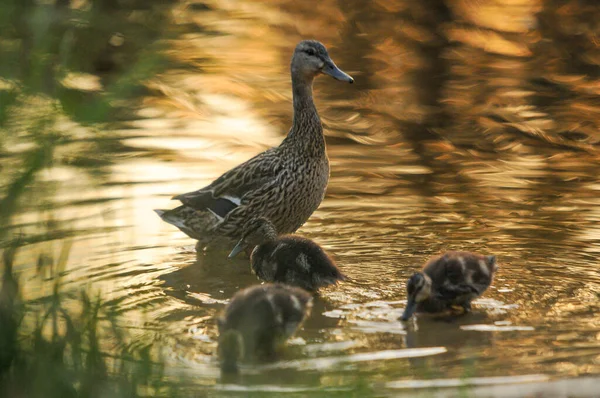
461, 132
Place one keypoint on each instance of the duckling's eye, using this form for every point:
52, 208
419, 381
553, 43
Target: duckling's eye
310, 52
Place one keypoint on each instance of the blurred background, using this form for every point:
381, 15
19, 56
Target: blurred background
472, 125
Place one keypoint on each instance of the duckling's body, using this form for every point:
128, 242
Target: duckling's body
296, 261
285, 184
452, 279
258, 320
288, 259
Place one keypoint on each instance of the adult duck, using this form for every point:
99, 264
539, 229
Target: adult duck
285, 184
453, 279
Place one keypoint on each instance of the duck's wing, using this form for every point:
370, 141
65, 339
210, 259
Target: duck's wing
225, 193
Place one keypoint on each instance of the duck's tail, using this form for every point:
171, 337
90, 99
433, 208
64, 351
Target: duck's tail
176, 217
231, 351
197, 224
322, 280
193, 224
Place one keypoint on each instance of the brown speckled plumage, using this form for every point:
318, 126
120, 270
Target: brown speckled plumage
452, 279
285, 184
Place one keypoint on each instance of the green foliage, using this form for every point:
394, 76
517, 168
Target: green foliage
45, 44
49, 350
69, 70
71, 343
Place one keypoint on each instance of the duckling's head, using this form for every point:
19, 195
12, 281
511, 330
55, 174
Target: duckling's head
311, 58
418, 289
257, 231
230, 350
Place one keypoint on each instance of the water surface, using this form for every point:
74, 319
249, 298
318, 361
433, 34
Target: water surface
462, 132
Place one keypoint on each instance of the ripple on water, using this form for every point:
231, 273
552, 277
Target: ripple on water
400, 191
498, 328
324, 363
474, 381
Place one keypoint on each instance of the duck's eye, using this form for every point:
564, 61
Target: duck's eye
310, 52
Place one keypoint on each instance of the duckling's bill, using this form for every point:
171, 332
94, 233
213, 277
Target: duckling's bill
237, 249
411, 306
332, 70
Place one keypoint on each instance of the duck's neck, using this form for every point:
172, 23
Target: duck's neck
306, 132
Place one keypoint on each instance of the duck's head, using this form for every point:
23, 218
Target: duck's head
311, 59
230, 350
257, 231
418, 289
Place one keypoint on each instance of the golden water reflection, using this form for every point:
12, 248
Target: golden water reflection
466, 129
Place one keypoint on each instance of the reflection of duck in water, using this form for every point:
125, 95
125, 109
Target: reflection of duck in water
202, 283
258, 320
285, 184
293, 260
452, 279
447, 331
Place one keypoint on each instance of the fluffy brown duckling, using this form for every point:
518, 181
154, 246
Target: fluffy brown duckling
289, 259
257, 321
452, 279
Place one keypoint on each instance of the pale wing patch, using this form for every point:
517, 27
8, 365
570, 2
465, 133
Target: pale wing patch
278, 317
296, 303
233, 199
469, 276
302, 261
276, 309
484, 268
462, 263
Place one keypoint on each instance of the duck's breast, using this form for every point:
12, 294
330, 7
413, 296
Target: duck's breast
303, 190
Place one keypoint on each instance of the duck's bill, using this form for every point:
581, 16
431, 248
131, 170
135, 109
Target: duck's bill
237, 249
332, 70
411, 306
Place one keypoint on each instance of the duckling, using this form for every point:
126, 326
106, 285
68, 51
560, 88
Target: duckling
289, 259
286, 184
452, 279
258, 320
